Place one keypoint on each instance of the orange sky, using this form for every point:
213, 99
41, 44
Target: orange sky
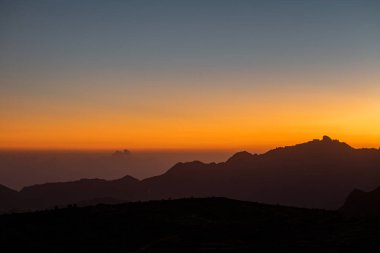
251, 75
224, 114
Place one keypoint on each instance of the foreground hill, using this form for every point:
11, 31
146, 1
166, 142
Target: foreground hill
9, 199
315, 174
362, 204
186, 225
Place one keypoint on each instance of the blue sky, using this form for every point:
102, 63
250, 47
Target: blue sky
70, 36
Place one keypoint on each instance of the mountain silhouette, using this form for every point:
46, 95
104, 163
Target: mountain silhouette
9, 199
122, 153
362, 204
318, 173
315, 174
4, 191
60, 194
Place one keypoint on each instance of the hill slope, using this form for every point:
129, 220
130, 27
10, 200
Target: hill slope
362, 204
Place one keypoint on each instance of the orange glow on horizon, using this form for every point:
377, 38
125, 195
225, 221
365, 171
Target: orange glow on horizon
224, 118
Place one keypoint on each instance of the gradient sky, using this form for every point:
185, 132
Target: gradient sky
188, 74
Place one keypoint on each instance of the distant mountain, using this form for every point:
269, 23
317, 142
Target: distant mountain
315, 174
122, 153
318, 173
84, 190
362, 204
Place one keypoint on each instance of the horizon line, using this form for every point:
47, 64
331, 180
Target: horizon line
256, 149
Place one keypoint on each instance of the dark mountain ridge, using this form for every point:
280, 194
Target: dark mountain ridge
362, 204
315, 174
10, 200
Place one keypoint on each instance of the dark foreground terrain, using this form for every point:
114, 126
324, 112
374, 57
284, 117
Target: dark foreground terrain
187, 225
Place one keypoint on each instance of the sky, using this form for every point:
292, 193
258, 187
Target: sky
186, 75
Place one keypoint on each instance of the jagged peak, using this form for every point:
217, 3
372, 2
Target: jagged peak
326, 143
326, 138
334, 142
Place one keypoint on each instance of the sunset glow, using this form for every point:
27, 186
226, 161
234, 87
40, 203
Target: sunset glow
189, 83
221, 119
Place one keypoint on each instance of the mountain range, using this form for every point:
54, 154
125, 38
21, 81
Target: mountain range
316, 174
